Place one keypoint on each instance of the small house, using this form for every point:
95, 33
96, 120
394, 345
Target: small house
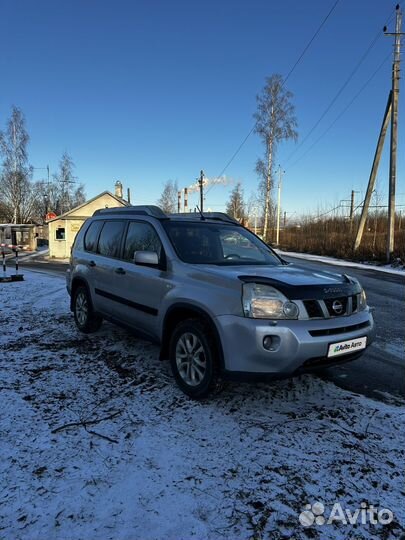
63, 228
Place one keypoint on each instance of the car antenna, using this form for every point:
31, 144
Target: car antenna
201, 214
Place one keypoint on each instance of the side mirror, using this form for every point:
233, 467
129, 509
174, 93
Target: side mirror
146, 258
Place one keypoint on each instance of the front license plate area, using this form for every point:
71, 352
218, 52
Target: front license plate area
346, 347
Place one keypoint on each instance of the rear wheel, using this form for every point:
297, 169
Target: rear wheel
194, 359
86, 320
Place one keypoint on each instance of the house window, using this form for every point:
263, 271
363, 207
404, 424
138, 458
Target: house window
60, 233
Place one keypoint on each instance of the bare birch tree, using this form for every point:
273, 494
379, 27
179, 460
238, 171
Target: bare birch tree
275, 121
168, 199
16, 188
236, 204
66, 181
62, 193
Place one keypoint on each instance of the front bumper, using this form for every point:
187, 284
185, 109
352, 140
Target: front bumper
243, 350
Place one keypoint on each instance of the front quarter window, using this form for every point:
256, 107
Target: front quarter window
141, 237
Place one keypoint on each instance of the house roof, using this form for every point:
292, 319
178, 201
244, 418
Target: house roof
66, 214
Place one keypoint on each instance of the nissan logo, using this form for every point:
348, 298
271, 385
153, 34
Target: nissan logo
337, 307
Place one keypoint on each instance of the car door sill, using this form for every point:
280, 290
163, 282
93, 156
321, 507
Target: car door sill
143, 334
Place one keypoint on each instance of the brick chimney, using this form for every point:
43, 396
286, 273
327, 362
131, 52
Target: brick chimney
118, 189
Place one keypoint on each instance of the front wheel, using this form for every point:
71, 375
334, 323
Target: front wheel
194, 359
86, 320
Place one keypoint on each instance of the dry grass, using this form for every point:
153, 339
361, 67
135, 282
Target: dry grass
335, 237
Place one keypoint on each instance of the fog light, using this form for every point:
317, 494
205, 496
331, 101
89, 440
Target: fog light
268, 342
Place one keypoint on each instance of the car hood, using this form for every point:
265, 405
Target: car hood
290, 274
294, 281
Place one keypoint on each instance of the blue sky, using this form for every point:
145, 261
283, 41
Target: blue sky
144, 91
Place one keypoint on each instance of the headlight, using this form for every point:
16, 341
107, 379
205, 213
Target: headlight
266, 302
362, 300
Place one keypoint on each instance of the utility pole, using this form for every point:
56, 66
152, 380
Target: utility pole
373, 173
201, 186
48, 186
394, 130
351, 215
280, 173
351, 208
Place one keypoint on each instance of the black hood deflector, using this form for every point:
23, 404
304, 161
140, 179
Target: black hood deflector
308, 292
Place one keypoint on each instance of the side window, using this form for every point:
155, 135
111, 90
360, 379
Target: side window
110, 238
141, 237
59, 234
90, 240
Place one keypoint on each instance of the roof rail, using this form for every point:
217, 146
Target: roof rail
144, 210
219, 216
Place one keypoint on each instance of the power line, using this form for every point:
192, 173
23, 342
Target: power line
341, 89
310, 41
341, 113
288, 75
235, 154
339, 92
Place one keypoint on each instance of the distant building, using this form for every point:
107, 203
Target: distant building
63, 228
22, 235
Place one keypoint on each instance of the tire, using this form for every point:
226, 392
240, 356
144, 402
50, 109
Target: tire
86, 320
194, 359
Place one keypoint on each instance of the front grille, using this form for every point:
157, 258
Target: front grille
313, 308
340, 330
332, 305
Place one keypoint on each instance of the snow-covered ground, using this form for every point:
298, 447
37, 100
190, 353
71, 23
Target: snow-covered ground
388, 268
96, 442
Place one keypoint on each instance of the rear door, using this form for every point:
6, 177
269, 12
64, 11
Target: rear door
106, 263
139, 289
87, 258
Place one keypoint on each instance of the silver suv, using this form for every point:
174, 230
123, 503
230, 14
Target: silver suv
219, 301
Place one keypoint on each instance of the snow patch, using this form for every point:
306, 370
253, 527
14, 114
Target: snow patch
388, 269
97, 442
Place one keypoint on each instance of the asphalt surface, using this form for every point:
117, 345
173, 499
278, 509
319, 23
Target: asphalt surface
42, 265
380, 372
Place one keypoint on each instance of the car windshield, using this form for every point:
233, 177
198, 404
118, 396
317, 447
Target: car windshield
221, 244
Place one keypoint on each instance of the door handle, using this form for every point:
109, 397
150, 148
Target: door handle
92, 264
119, 271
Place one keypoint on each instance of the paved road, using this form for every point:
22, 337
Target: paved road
43, 265
380, 372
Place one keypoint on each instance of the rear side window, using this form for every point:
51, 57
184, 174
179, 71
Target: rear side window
110, 238
141, 237
91, 237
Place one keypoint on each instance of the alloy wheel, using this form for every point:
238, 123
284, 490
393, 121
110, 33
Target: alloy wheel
190, 359
82, 308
